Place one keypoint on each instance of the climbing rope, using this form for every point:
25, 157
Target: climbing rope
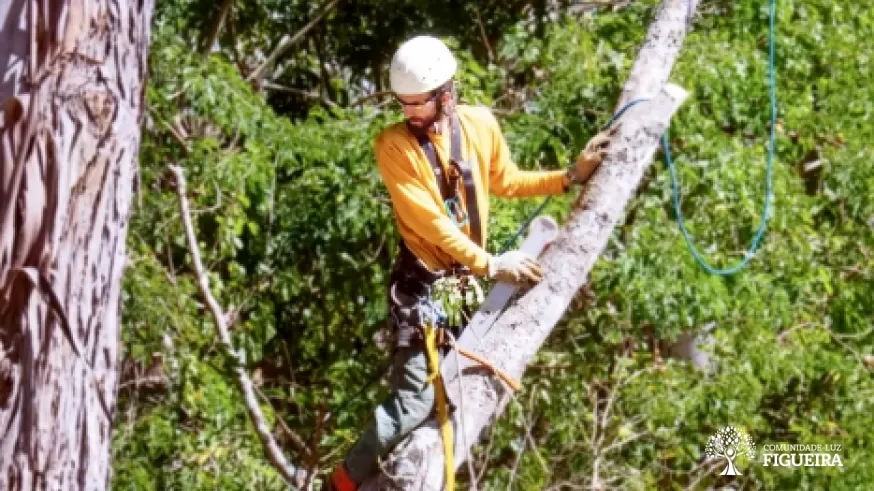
766, 209
687, 236
435, 378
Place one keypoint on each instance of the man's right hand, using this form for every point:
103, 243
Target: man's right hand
515, 267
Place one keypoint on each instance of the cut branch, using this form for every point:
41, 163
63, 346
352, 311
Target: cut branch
516, 336
288, 471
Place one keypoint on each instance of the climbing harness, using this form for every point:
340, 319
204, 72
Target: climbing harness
448, 182
411, 287
687, 236
411, 280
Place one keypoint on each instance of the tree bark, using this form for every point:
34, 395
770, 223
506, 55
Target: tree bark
515, 338
72, 93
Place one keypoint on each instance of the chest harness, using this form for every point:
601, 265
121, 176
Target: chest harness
410, 280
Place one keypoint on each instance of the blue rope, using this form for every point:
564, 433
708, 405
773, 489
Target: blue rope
524, 226
766, 210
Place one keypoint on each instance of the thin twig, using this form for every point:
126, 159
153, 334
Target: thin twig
291, 90
468, 457
837, 338
296, 440
596, 466
216, 27
709, 468
288, 42
274, 454
365, 98
216, 206
528, 438
615, 392
486, 453
856, 335
529, 434
516, 463
620, 444
178, 136
599, 426
300, 92
482, 32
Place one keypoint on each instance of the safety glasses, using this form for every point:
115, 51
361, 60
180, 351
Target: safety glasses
418, 105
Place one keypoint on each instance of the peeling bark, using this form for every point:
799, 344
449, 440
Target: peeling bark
515, 338
72, 89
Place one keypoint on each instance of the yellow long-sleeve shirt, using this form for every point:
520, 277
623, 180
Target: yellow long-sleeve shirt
418, 207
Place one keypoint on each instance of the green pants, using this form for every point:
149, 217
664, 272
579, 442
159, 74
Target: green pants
408, 406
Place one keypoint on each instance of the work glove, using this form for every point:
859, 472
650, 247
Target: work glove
591, 156
515, 267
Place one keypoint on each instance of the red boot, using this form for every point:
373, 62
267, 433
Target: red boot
339, 481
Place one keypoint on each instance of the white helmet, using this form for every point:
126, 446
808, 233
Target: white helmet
421, 65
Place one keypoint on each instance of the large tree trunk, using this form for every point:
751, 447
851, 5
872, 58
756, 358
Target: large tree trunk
516, 336
72, 93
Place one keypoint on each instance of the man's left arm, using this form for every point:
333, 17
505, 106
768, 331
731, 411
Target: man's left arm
508, 181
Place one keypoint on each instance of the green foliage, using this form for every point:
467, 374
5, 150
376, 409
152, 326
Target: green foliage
297, 233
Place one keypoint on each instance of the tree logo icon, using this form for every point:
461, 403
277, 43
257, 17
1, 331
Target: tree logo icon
730, 443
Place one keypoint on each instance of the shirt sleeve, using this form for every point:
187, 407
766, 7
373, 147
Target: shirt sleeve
506, 180
415, 207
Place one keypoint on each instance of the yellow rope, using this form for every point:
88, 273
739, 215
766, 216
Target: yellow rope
442, 409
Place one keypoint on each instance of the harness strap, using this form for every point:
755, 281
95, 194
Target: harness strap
448, 184
447, 190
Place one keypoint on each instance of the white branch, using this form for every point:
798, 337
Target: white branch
287, 470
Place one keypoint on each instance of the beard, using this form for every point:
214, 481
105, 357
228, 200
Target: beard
421, 125
420, 122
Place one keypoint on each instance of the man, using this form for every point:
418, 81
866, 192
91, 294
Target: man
440, 166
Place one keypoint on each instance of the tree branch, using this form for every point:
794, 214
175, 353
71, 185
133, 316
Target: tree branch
485, 38
287, 470
303, 93
216, 27
288, 42
365, 98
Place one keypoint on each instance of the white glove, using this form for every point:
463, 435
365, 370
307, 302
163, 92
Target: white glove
515, 267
